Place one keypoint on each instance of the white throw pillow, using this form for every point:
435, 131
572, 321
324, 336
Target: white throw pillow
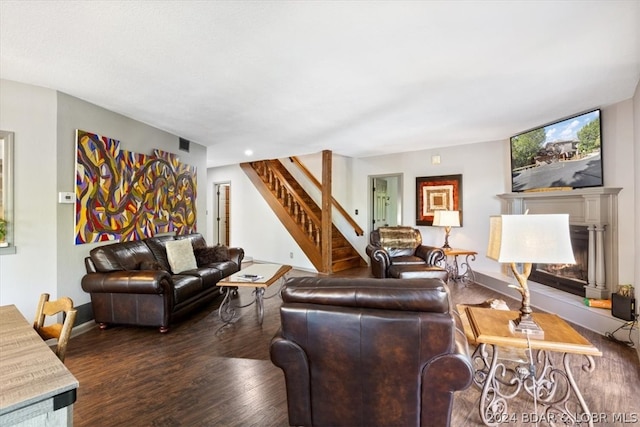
180, 255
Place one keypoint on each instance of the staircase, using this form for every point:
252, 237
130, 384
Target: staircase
300, 215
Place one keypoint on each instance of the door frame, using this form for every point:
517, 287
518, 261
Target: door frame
397, 199
216, 209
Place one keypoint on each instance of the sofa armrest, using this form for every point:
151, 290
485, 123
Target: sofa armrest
431, 254
443, 376
128, 282
293, 361
236, 255
380, 261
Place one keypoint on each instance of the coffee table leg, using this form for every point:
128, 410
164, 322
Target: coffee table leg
260, 304
226, 310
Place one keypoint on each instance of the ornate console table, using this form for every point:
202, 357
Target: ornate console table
551, 385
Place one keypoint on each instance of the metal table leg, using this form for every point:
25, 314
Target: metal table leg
550, 386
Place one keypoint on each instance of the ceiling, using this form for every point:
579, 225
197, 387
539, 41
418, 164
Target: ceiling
360, 78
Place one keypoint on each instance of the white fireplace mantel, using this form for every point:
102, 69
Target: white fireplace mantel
597, 209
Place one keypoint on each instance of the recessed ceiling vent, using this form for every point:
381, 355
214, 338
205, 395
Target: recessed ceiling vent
184, 144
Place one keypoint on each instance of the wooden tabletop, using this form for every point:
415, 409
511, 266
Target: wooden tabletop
267, 275
456, 251
30, 372
491, 326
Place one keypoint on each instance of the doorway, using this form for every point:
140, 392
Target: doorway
386, 200
221, 226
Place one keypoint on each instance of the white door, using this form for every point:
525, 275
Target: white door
221, 221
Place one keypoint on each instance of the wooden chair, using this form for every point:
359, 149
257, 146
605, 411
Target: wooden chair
60, 331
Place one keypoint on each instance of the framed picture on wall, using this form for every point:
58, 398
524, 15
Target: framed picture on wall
436, 193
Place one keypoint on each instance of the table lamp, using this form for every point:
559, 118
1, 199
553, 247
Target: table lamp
529, 239
446, 219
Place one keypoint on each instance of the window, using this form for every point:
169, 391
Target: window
7, 245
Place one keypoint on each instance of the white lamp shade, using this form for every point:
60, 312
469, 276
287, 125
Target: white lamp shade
542, 239
442, 218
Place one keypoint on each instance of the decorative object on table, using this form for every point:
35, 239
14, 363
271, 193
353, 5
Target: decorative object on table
3, 233
435, 193
624, 303
529, 239
597, 303
446, 219
61, 332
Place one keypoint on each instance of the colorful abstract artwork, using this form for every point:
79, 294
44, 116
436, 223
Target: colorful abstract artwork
121, 195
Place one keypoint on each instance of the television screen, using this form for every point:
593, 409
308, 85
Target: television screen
565, 154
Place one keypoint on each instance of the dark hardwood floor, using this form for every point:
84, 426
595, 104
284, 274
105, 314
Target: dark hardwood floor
203, 373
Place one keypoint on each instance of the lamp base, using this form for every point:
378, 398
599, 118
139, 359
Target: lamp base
525, 326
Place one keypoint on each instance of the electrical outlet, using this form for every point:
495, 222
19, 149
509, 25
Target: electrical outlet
291, 255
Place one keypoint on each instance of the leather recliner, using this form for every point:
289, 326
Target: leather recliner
398, 252
370, 352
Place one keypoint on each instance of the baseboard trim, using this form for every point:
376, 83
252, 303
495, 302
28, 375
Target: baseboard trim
570, 307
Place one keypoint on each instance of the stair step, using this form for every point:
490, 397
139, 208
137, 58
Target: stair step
346, 263
343, 252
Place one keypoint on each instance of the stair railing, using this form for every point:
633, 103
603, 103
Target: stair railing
298, 209
334, 202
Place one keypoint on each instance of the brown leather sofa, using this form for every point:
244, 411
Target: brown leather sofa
132, 283
398, 252
370, 352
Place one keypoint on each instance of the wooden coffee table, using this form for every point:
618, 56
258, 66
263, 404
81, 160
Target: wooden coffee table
258, 276
551, 385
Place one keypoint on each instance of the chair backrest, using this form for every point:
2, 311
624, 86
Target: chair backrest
397, 241
59, 331
366, 352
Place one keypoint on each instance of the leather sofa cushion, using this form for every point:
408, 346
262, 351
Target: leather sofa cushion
196, 239
185, 286
418, 272
209, 275
407, 260
157, 247
121, 256
425, 295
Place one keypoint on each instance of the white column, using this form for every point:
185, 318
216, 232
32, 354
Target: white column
591, 262
600, 270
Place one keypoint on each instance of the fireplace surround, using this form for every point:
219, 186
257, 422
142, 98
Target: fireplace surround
592, 209
570, 278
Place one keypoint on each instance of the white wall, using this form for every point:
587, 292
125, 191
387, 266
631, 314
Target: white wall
44, 122
30, 112
485, 169
253, 225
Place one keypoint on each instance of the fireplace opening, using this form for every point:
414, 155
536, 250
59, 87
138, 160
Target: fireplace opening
570, 278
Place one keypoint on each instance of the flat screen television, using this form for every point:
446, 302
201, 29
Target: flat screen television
566, 154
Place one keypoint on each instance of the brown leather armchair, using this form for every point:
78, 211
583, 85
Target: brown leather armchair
370, 352
398, 252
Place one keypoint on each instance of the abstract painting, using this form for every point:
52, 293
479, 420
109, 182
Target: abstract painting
122, 196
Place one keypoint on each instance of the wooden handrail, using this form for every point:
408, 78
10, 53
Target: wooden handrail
334, 202
317, 221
